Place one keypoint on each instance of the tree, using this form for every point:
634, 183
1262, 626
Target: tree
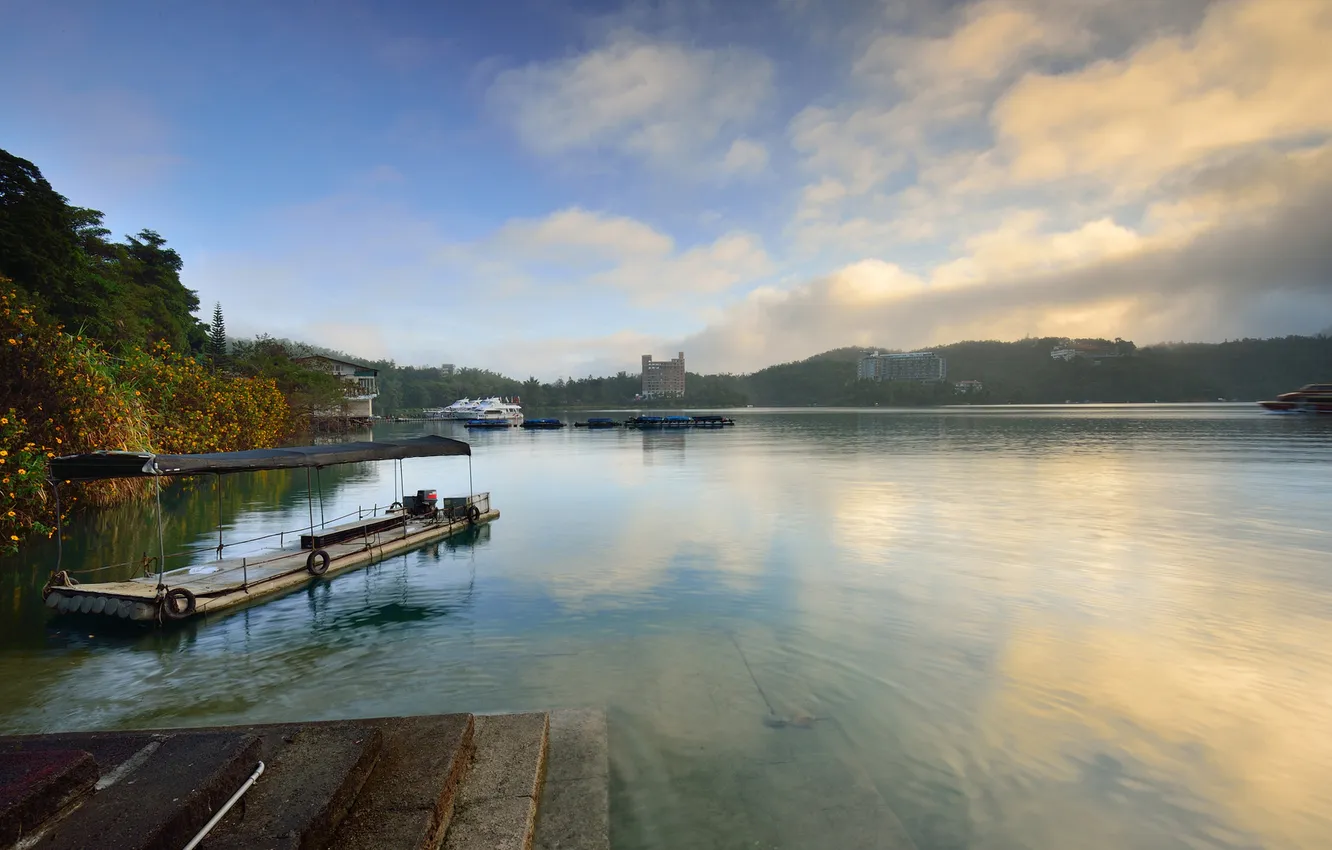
217, 337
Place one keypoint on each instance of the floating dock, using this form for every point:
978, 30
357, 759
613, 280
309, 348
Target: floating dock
213, 587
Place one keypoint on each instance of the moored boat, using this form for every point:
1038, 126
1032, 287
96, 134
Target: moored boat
542, 424
644, 422
147, 591
1310, 398
712, 421
598, 422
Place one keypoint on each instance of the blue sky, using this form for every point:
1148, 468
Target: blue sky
554, 189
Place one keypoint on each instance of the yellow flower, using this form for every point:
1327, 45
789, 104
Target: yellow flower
23, 471
11, 513
4, 420
13, 537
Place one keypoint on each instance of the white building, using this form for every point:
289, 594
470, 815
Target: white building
663, 377
360, 396
918, 366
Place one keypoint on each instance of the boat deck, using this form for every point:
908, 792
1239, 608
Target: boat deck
229, 583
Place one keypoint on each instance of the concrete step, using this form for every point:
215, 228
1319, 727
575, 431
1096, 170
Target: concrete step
497, 802
163, 799
408, 800
575, 803
37, 785
311, 779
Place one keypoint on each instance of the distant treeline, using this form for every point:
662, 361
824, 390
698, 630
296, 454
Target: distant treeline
1021, 372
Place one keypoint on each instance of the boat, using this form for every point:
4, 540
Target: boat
712, 421
1310, 398
542, 424
676, 422
210, 584
644, 422
497, 410
598, 422
487, 424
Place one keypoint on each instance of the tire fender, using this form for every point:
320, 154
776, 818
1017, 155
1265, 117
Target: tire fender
317, 562
178, 603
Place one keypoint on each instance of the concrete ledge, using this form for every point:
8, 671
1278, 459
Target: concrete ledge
497, 803
575, 804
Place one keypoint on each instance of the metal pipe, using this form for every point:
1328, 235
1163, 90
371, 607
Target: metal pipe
208, 827
319, 482
470, 489
161, 535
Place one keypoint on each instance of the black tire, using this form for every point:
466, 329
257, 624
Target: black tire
317, 562
171, 603
473, 514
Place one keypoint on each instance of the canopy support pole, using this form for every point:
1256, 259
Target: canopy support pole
319, 483
471, 490
219, 516
161, 535
309, 500
60, 548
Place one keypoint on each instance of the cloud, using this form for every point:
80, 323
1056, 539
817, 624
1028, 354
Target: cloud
1260, 266
991, 38
1254, 72
576, 247
745, 157
659, 102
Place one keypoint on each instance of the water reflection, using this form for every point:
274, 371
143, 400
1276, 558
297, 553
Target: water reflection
1088, 627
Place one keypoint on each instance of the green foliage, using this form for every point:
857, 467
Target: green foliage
306, 390
123, 294
217, 337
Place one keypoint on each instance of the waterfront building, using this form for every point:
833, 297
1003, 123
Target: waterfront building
663, 377
917, 366
364, 382
968, 386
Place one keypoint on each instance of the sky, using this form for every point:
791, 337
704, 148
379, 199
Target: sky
554, 189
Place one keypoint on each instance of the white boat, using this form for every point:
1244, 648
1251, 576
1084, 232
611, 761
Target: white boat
496, 409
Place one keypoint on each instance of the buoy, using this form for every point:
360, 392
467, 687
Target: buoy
142, 611
98, 604
65, 603
53, 599
85, 604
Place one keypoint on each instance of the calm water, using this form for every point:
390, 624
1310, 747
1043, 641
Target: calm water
1042, 628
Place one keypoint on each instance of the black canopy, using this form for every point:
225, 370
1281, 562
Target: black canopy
100, 465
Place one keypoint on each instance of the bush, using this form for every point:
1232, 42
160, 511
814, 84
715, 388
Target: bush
64, 394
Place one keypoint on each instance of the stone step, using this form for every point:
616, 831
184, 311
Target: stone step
575, 802
408, 800
36, 785
163, 800
311, 779
498, 799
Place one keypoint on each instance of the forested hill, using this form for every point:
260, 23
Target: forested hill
1017, 372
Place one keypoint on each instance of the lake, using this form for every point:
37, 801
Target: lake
1054, 627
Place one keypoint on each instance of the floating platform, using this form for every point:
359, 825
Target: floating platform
214, 587
542, 424
486, 424
597, 422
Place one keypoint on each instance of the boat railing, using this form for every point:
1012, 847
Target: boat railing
147, 561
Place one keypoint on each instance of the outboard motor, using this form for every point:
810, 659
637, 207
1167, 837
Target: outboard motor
422, 504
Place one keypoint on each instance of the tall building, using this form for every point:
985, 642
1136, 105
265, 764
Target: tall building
663, 377
919, 366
